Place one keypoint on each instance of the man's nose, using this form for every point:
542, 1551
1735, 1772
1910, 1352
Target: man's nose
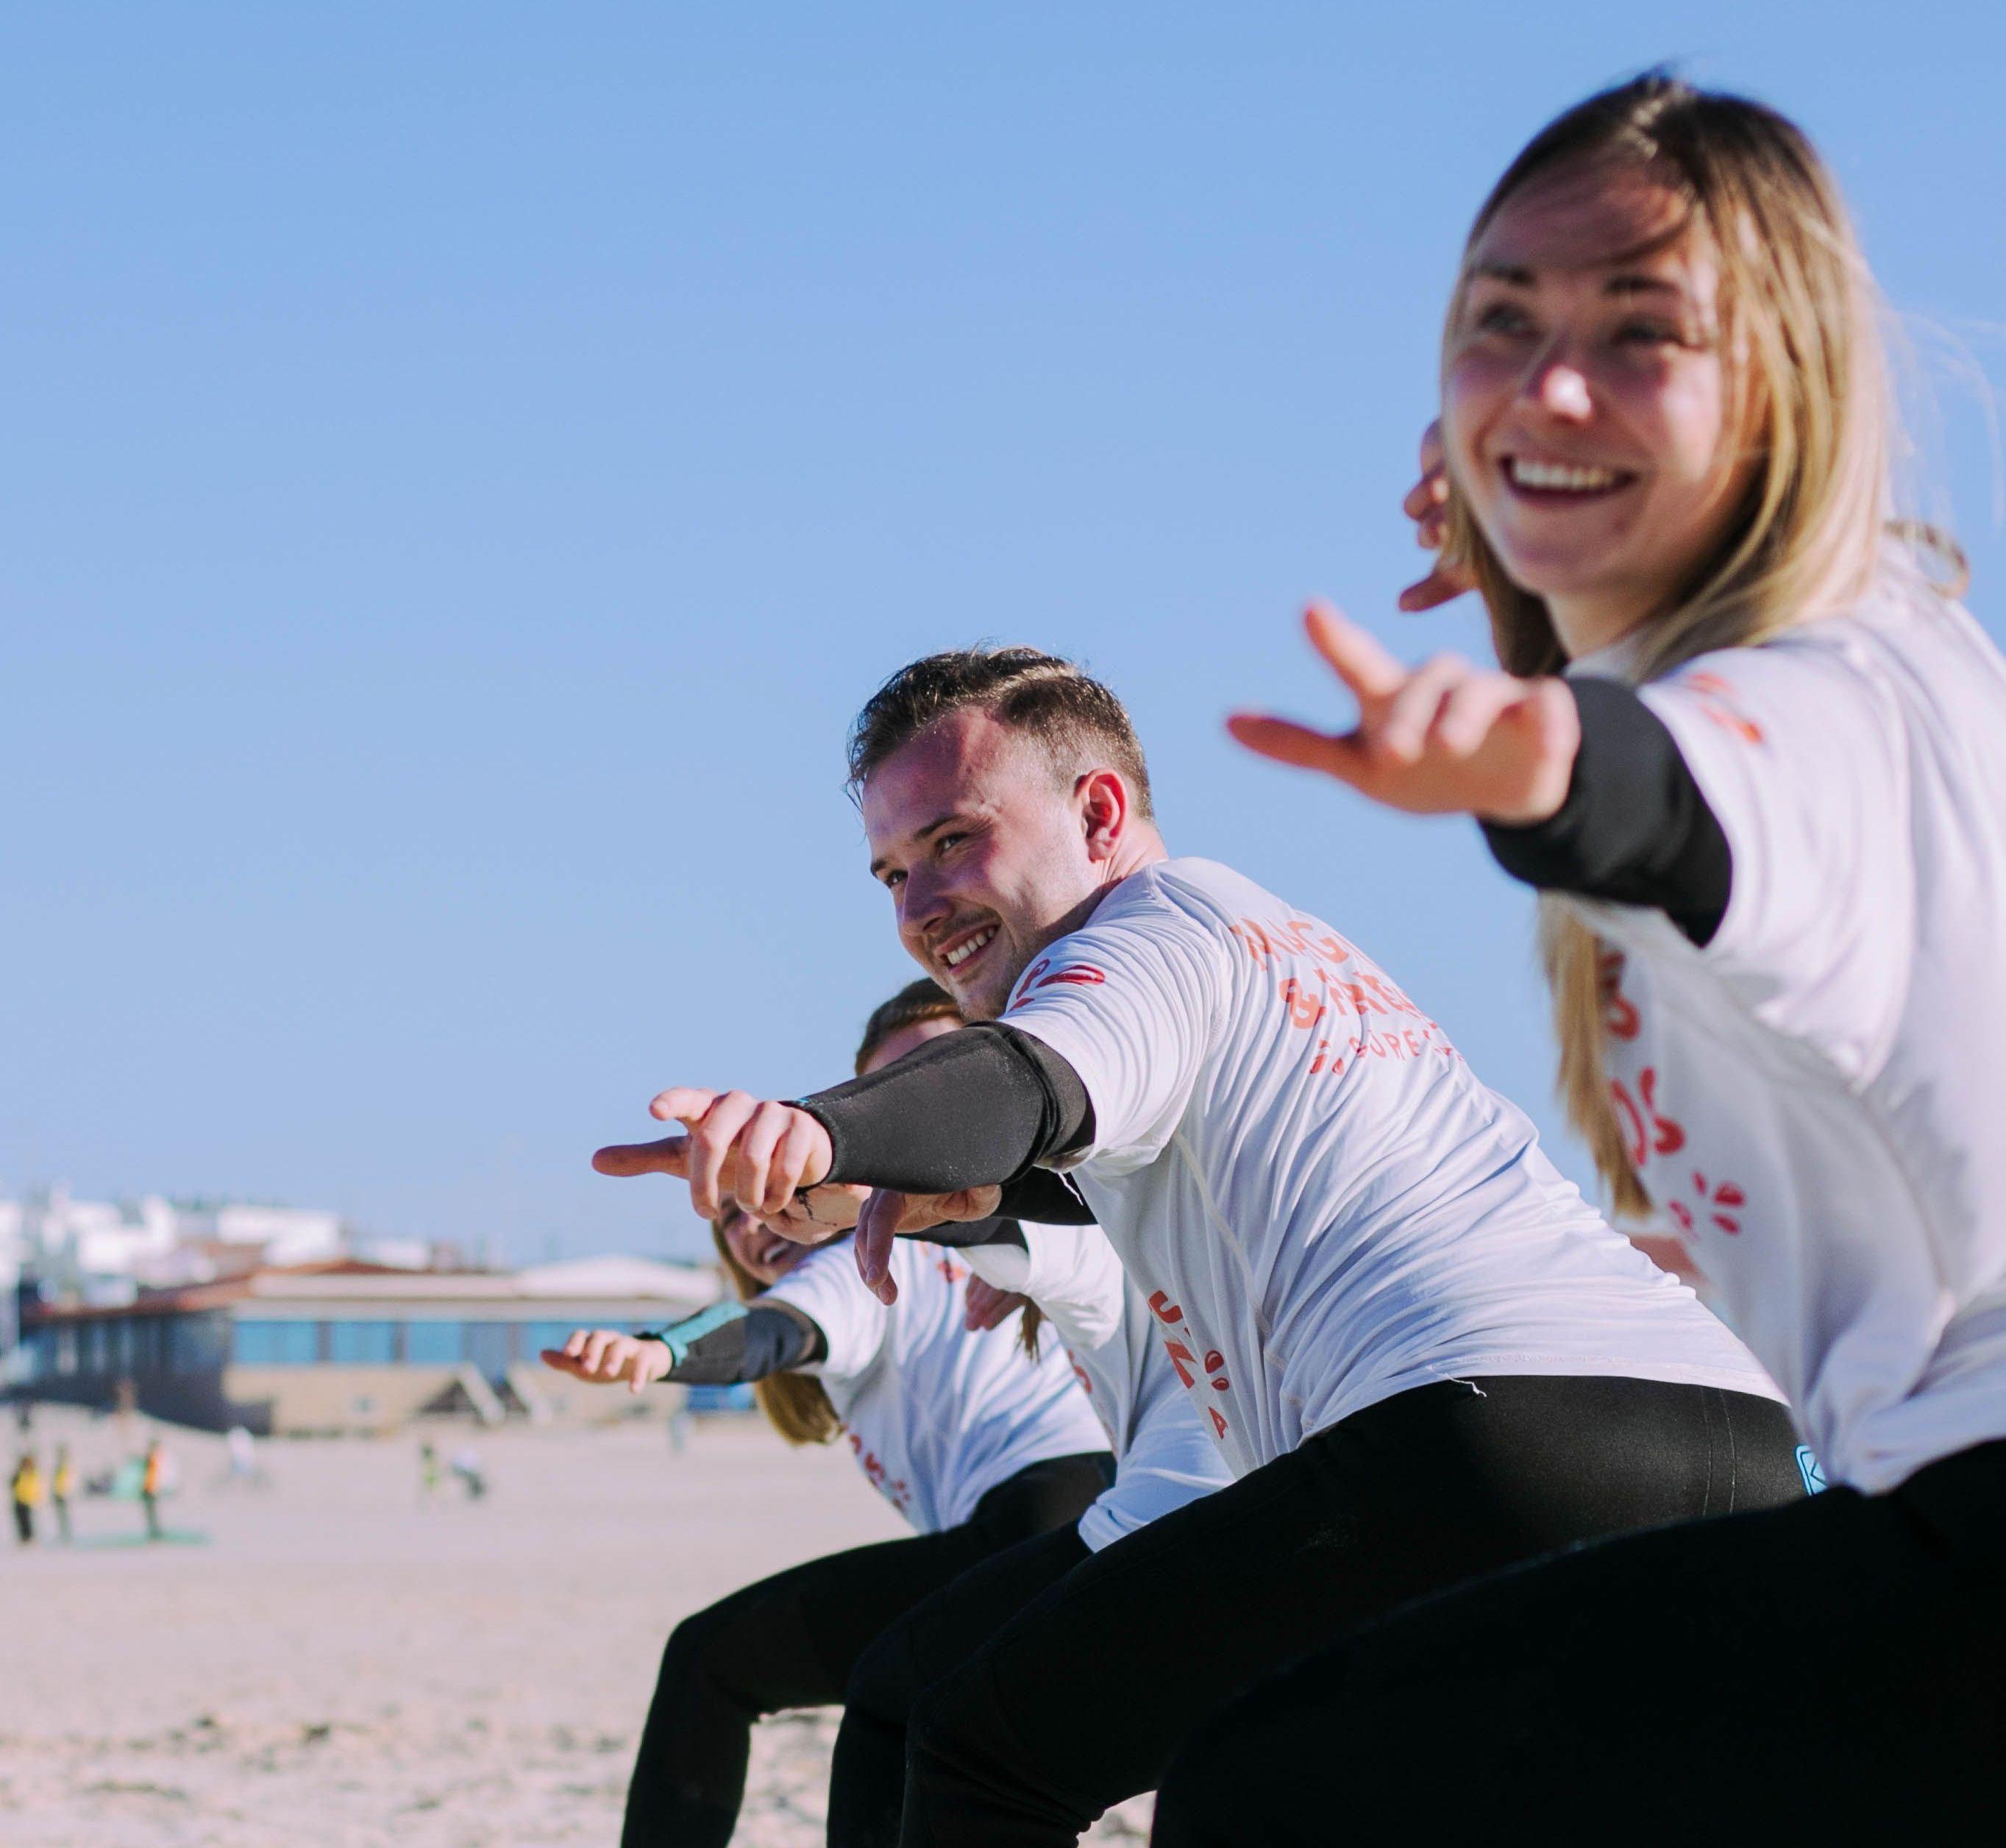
921, 903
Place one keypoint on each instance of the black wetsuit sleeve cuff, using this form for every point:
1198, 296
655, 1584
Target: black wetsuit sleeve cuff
767, 1339
1634, 829
961, 1234
1045, 1198
972, 1108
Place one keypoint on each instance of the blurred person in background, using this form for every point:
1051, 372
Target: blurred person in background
976, 1444
153, 1483
27, 1485
62, 1486
430, 1475
467, 1466
1752, 755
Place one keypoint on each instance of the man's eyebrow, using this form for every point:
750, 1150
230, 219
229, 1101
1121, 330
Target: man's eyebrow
920, 834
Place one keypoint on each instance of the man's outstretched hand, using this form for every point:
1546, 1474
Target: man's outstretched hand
746, 1149
771, 1158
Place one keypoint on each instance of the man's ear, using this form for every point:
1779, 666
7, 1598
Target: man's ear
1104, 812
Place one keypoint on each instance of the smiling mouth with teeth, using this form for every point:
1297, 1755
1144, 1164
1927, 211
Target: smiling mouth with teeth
959, 954
1563, 479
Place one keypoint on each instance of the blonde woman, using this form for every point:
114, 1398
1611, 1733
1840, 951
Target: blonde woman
978, 1445
1755, 758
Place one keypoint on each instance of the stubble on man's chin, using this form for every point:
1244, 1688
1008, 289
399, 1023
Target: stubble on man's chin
989, 1005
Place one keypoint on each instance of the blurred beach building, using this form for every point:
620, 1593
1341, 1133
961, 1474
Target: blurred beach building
106, 1252
347, 1346
285, 1320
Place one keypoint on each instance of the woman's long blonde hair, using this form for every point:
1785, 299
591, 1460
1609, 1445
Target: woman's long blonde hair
1807, 377
795, 1404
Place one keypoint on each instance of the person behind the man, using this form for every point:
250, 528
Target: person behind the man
1424, 1355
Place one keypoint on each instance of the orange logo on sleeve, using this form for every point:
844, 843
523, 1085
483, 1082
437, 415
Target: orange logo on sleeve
1042, 975
1717, 699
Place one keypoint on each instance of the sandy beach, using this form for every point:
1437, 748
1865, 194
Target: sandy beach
330, 1661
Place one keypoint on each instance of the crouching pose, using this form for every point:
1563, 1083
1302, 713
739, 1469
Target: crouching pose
977, 1445
1422, 1354
1164, 1457
1766, 810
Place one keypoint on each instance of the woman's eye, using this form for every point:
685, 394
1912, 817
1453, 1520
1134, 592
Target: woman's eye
893, 881
1647, 333
945, 841
1501, 317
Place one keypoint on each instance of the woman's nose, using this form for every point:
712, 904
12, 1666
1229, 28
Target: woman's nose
1560, 388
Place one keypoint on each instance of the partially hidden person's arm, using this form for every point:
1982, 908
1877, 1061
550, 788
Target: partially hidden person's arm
732, 1344
1073, 1275
728, 1344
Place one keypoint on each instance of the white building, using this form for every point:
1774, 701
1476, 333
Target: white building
105, 1251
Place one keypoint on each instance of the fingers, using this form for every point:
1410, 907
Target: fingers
592, 1356
875, 1228
1543, 723
713, 1136
1425, 502
971, 1202
684, 1103
796, 1157
1472, 711
987, 1307
740, 1147
920, 1212
1434, 457
1405, 727
649, 1362
826, 1211
671, 1156
600, 1355
763, 1183
1355, 655
1426, 498
1442, 585
1289, 743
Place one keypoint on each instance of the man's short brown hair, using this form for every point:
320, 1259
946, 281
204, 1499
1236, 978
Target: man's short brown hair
1074, 719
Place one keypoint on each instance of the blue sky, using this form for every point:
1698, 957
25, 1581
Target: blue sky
464, 465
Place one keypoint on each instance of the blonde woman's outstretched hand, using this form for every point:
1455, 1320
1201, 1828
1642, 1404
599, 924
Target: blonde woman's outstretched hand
1446, 737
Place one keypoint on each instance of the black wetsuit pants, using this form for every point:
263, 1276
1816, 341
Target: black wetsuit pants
1080, 1700
791, 1641
1834, 1671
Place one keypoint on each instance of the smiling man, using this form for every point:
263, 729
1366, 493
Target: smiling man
1421, 1353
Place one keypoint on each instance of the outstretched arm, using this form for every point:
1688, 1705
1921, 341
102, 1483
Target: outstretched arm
980, 1107
728, 1344
1579, 785
937, 1133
